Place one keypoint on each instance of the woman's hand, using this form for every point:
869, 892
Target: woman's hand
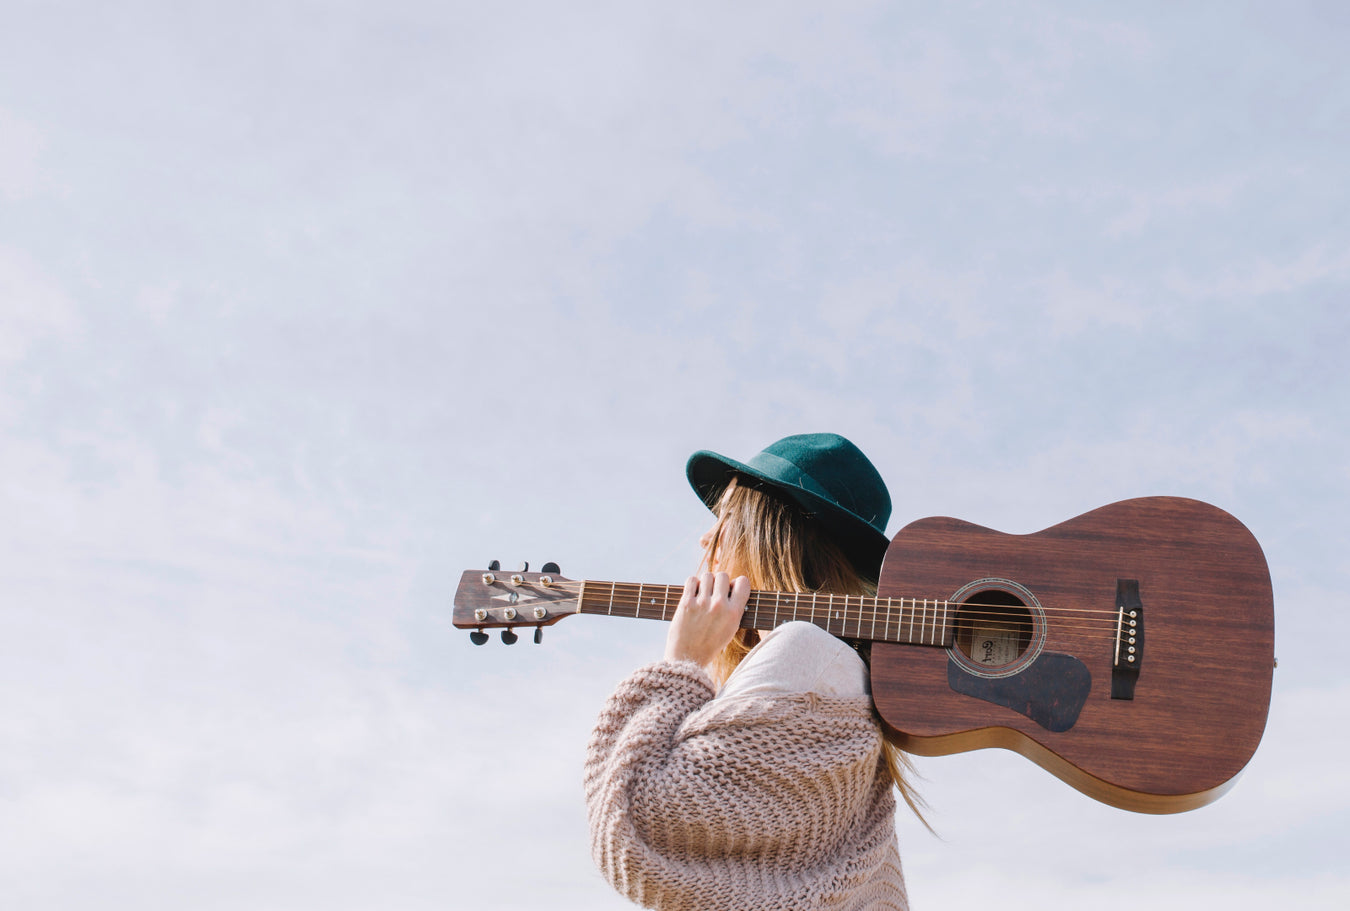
708, 616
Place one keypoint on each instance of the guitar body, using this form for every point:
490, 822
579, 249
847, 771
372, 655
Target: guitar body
1040, 662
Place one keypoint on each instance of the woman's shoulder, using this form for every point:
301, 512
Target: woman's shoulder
798, 657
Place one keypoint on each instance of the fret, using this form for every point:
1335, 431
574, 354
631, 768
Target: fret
917, 621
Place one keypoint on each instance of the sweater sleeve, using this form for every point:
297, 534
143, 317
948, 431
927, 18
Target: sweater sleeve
765, 802
633, 741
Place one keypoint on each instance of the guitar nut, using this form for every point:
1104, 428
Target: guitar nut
480, 615
546, 581
517, 579
489, 578
509, 613
540, 613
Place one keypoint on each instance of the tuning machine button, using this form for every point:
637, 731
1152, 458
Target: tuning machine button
550, 567
478, 637
538, 635
509, 636
494, 565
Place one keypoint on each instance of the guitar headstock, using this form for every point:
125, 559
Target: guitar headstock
493, 599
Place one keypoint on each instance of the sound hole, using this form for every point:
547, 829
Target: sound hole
993, 629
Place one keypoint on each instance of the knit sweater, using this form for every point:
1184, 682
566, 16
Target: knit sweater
752, 802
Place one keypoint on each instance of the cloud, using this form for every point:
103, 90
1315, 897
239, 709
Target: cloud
33, 305
1317, 264
21, 147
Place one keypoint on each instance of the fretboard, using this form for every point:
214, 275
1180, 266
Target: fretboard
918, 621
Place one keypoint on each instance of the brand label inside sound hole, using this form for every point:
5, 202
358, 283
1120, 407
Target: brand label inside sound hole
993, 645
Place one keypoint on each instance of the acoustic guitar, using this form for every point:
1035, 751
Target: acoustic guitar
1128, 651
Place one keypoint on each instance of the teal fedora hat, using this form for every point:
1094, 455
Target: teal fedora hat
824, 474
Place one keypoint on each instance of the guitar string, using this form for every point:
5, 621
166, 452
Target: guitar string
785, 601
627, 591
896, 608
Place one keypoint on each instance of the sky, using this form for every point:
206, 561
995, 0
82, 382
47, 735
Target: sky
306, 308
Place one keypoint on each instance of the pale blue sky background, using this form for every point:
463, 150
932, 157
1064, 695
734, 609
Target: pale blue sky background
307, 307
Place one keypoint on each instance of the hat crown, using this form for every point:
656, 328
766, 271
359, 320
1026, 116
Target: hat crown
830, 466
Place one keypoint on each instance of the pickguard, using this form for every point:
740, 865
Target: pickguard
1051, 691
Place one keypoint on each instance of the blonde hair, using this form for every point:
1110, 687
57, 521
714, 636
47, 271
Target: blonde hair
772, 542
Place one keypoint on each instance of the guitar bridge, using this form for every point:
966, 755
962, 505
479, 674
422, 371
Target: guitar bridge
1129, 651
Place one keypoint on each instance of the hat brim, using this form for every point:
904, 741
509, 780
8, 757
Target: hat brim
709, 473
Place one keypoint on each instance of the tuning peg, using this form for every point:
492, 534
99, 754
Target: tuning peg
538, 635
524, 566
550, 567
494, 565
478, 637
509, 636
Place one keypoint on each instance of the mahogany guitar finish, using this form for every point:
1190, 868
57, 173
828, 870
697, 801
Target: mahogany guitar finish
1202, 694
1128, 651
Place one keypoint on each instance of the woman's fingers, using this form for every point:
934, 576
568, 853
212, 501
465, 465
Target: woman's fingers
740, 592
708, 616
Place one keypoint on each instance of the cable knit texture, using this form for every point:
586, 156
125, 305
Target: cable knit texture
751, 802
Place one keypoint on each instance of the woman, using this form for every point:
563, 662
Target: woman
748, 770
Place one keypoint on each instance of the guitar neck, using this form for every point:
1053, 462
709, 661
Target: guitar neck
917, 621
